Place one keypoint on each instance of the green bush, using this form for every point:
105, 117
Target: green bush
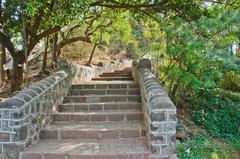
221, 117
230, 81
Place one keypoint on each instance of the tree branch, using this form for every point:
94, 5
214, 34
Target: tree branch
148, 14
98, 27
48, 32
36, 39
126, 5
36, 24
72, 40
65, 42
71, 30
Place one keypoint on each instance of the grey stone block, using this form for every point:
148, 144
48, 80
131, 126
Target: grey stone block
12, 103
161, 102
154, 149
172, 116
156, 127
167, 150
171, 138
17, 115
36, 89
23, 132
158, 116
159, 138
169, 127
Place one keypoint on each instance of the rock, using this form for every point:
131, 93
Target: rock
180, 135
145, 63
100, 64
134, 63
88, 65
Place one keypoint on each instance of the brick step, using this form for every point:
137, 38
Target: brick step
102, 98
128, 91
116, 75
88, 149
127, 68
77, 107
94, 130
123, 71
104, 86
110, 115
112, 79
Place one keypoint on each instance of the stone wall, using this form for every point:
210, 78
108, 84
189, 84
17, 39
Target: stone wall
159, 112
25, 114
86, 73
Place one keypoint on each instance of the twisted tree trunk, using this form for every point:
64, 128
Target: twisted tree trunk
93, 50
17, 72
44, 63
2, 63
54, 47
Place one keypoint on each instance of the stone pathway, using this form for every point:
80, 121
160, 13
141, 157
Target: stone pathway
101, 119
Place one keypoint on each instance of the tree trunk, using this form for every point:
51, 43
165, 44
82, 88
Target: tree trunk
2, 63
17, 74
54, 47
93, 50
25, 39
44, 63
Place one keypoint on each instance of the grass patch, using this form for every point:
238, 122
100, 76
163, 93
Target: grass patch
199, 144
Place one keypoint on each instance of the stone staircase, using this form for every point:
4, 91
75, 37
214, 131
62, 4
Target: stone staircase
101, 119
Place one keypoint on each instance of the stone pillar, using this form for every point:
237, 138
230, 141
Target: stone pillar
145, 63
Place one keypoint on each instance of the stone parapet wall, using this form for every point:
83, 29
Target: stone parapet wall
159, 112
86, 73
25, 114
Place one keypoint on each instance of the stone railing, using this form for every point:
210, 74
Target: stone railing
159, 112
86, 73
25, 114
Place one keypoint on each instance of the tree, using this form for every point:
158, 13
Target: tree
42, 19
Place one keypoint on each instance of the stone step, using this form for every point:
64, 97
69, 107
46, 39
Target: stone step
105, 86
78, 107
123, 71
105, 116
128, 91
88, 149
94, 130
112, 79
128, 68
102, 98
115, 75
